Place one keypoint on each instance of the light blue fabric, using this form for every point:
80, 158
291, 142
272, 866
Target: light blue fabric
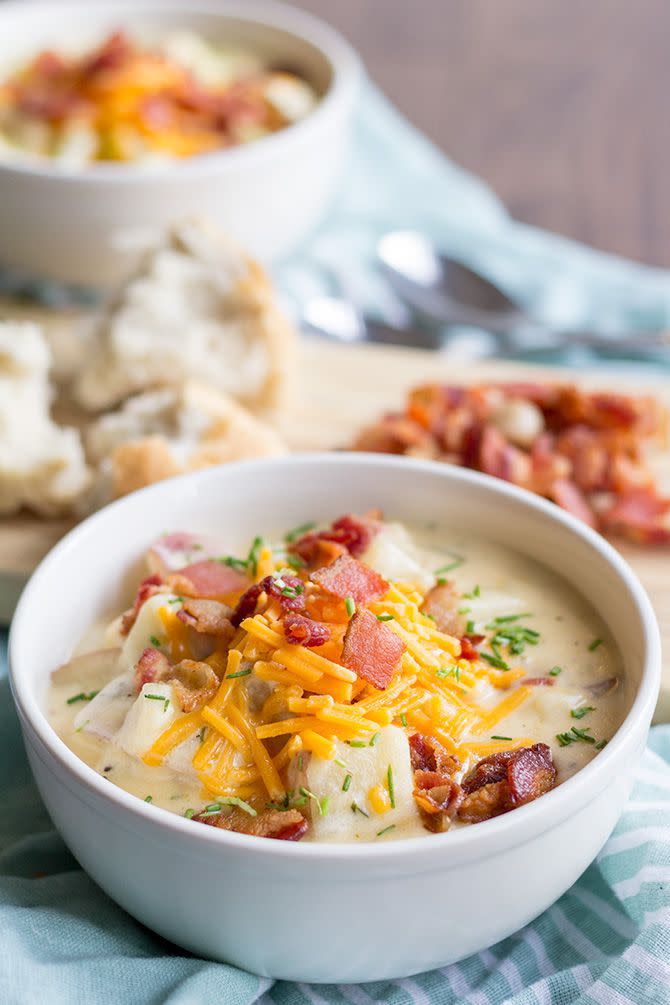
607, 940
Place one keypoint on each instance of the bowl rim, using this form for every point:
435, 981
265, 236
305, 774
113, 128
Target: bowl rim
343, 59
481, 841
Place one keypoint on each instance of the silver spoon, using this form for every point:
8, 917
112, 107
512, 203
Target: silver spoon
338, 319
445, 291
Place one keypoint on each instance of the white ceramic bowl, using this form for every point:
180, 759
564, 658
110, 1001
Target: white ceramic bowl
87, 226
326, 912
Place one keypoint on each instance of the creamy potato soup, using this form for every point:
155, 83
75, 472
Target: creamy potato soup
361, 682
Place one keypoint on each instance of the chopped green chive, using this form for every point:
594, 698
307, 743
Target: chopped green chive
154, 641
554, 672
236, 801
357, 743
252, 557
441, 580
449, 672
403, 719
346, 783
350, 605
189, 813
357, 809
238, 673
470, 628
494, 737
297, 532
148, 799
565, 739
385, 830
323, 802
601, 744
340, 763
450, 566
579, 713
82, 696
374, 740
156, 697
507, 619
594, 645
296, 562
391, 787
463, 610
300, 761
176, 600
385, 617
583, 735
83, 726
495, 661
475, 592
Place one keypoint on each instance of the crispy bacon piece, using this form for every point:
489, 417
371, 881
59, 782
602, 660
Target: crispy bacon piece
539, 681
150, 667
208, 617
288, 589
488, 801
315, 551
282, 825
441, 603
570, 497
439, 798
348, 534
347, 577
531, 773
353, 532
302, 631
587, 453
147, 588
502, 459
641, 516
429, 755
469, 645
396, 434
436, 792
246, 605
210, 579
371, 649
195, 683
503, 781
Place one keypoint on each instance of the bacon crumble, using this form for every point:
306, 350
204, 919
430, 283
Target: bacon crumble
347, 577
371, 649
302, 631
584, 451
505, 780
282, 825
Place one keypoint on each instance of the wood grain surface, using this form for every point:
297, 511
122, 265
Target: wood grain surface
560, 106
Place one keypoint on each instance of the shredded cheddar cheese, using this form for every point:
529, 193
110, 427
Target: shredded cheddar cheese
309, 699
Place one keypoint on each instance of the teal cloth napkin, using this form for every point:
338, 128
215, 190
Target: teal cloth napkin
607, 940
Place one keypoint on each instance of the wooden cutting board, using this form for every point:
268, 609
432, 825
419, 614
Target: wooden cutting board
340, 388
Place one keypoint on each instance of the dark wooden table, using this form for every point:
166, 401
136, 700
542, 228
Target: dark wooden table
561, 105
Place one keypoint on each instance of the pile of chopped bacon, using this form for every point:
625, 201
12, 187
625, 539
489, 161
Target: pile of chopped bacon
583, 450
496, 784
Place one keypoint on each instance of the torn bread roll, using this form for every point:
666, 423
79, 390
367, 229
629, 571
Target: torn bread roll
173, 430
198, 307
42, 466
